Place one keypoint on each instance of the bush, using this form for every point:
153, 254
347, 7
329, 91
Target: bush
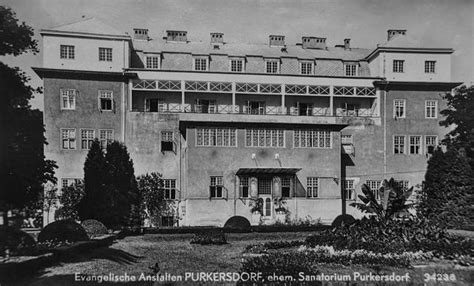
237, 224
393, 236
63, 230
209, 237
16, 241
279, 244
94, 228
343, 219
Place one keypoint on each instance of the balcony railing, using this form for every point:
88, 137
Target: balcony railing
261, 110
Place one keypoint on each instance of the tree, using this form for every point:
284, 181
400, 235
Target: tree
459, 114
23, 167
120, 185
448, 190
69, 199
393, 202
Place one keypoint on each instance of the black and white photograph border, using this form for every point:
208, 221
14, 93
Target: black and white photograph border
273, 142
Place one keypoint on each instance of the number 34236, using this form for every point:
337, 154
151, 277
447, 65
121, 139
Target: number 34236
439, 277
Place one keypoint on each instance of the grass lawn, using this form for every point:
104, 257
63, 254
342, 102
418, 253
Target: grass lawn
175, 255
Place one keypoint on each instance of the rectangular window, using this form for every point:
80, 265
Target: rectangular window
106, 98
312, 187
87, 137
431, 141
399, 145
220, 137
167, 141
404, 184
106, 136
265, 138
430, 66
67, 52
105, 54
399, 108
431, 109
152, 62
350, 69
169, 189
398, 66
244, 187
68, 99
200, 64
415, 145
349, 189
264, 186
272, 66
67, 182
216, 187
312, 139
68, 139
286, 187
306, 68
237, 65
374, 186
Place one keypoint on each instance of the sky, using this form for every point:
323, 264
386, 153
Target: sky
437, 23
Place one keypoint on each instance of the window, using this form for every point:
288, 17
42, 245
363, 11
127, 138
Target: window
349, 189
152, 62
244, 187
68, 99
167, 220
399, 144
265, 138
68, 139
398, 66
106, 136
312, 187
285, 187
87, 137
200, 64
105, 100
306, 68
237, 65
374, 186
220, 137
105, 54
404, 184
415, 145
67, 52
430, 66
399, 108
167, 141
169, 189
67, 182
216, 187
272, 66
431, 141
431, 108
312, 139
350, 69
264, 186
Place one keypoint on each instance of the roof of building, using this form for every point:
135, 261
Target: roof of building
241, 49
405, 41
87, 26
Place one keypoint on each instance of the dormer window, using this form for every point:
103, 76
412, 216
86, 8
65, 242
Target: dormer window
200, 64
306, 67
350, 69
67, 52
237, 65
105, 54
152, 62
398, 66
272, 66
430, 66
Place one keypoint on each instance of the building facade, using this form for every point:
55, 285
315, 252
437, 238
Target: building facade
227, 123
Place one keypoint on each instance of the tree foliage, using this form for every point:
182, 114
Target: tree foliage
23, 168
393, 201
447, 195
460, 115
69, 199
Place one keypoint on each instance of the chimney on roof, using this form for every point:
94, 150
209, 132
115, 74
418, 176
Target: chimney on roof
393, 33
276, 40
140, 34
176, 36
217, 38
347, 44
313, 43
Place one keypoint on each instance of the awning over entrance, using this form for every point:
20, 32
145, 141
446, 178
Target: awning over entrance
267, 171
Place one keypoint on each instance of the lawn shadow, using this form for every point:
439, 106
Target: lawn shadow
112, 254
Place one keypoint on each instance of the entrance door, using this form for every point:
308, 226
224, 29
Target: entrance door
265, 192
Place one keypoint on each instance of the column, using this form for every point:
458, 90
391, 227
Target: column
283, 90
233, 98
182, 96
331, 100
